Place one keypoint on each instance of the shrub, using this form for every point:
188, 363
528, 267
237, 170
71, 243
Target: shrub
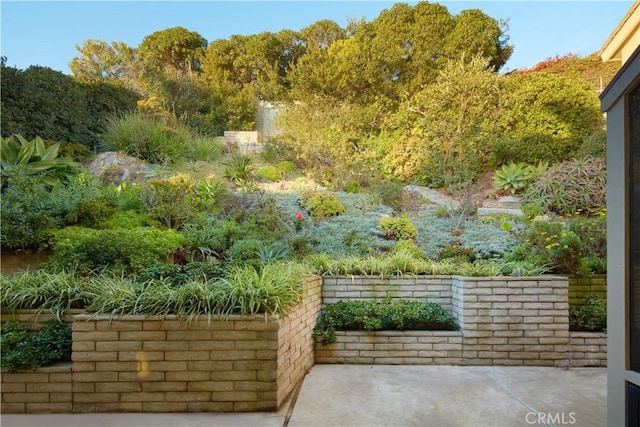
146, 138
128, 250
409, 247
399, 228
322, 205
31, 210
571, 186
171, 202
286, 166
590, 316
269, 172
385, 315
77, 152
24, 350
552, 244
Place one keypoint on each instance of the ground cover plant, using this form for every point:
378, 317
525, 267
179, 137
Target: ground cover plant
388, 314
24, 349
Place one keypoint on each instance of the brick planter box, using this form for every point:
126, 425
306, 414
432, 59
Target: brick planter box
147, 364
514, 321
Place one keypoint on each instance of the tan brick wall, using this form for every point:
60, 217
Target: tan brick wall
149, 364
34, 320
582, 287
421, 288
588, 349
517, 321
296, 344
47, 390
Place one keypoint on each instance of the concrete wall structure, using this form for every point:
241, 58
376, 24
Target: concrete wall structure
244, 142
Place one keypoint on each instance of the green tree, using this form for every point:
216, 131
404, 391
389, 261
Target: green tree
42, 102
545, 116
175, 47
442, 132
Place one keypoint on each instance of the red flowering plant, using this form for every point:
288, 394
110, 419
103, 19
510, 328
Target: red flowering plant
299, 220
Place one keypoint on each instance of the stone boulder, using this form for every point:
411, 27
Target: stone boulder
115, 167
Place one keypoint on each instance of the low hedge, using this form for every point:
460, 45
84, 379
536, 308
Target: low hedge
388, 314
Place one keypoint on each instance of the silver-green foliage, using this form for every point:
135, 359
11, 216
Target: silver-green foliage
487, 241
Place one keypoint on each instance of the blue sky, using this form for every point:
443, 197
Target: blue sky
45, 33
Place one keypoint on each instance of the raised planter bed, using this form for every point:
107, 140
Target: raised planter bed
149, 364
516, 321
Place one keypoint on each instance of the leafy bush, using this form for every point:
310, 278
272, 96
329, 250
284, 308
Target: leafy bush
24, 350
322, 205
31, 210
54, 292
77, 152
170, 202
590, 316
399, 228
286, 166
128, 250
146, 138
571, 186
19, 156
269, 172
385, 315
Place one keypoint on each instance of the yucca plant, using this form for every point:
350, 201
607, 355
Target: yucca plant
17, 155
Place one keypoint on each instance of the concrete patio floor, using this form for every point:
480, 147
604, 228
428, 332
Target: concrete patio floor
363, 395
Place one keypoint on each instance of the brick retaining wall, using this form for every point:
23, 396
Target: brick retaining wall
47, 390
581, 287
433, 288
517, 321
147, 364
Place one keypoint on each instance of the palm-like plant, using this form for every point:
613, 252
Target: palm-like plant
17, 155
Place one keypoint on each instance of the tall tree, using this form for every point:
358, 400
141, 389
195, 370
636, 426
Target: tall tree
175, 47
99, 61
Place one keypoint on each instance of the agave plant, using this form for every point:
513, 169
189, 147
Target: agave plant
512, 177
17, 155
